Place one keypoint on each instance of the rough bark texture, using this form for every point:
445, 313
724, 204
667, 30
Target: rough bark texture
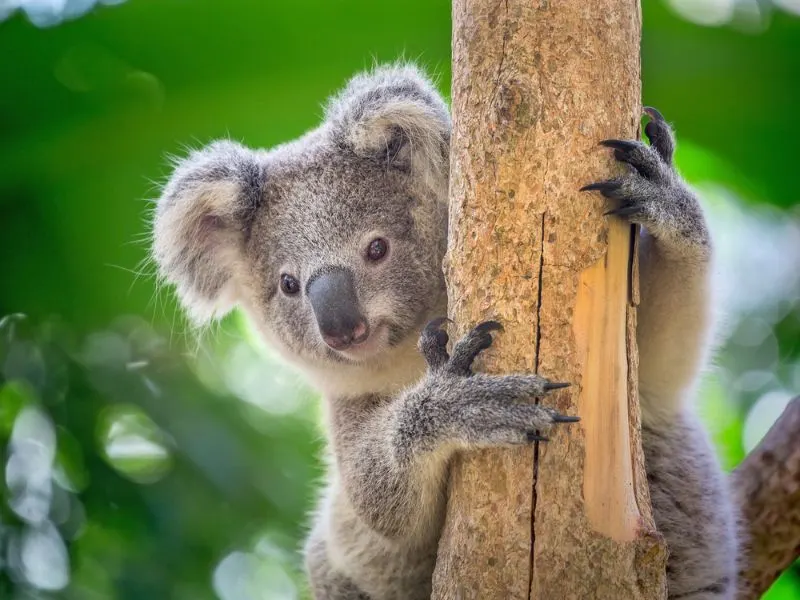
535, 86
767, 484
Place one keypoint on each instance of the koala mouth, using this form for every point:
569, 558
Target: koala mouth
372, 344
345, 338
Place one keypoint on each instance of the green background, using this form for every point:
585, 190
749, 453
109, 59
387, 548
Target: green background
147, 460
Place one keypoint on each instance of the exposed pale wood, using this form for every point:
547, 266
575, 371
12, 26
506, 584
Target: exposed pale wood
599, 321
767, 484
535, 86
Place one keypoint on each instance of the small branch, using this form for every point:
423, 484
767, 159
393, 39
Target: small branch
767, 487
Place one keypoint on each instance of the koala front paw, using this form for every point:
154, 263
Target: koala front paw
652, 193
485, 410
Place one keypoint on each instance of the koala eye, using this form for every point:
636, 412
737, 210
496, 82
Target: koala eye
289, 285
377, 249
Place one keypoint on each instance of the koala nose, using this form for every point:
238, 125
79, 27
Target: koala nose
333, 297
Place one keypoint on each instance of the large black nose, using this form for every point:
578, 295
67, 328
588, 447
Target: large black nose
333, 298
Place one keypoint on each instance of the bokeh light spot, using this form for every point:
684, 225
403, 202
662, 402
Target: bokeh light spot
704, 12
762, 415
246, 576
133, 444
29, 466
43, 558
47, 13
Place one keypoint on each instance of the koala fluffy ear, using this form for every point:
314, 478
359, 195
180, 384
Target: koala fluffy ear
394, 114
201, 223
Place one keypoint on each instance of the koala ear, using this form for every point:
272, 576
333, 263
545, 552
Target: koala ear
394, 114
201, 224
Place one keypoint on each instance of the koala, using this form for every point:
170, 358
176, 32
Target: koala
332, 245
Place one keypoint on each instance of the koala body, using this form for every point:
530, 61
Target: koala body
332, 245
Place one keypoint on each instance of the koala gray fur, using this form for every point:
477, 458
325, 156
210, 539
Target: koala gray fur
290, 233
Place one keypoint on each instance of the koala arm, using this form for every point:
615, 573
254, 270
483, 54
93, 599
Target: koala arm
675, 253
676, 293
392, 453
674, 321
691, 501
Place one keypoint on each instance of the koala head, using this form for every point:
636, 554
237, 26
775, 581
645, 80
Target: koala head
332, 243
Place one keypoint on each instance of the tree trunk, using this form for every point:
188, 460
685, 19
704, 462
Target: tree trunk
535, 86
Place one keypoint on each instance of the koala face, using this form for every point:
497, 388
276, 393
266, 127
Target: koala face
339, 266
332, 243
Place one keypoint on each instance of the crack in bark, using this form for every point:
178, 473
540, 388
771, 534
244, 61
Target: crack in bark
536, 370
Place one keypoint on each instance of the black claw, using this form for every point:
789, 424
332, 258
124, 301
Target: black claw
433, 329
486, 342
603, 187
436, 323
565, 419
625, 210
487, 326
555, 386
622, 156
484, 330
620, 144
534, 437
654, 114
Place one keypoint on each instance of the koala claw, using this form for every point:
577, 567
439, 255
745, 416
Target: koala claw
607, 188
436, 324
489, 326
628, 209
532, 436
466, 350
433, 343
660, 134
615, 189
624, 145
555, 386
654, 114
558, 418
434, 329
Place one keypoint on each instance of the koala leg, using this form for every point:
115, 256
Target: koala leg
690, 499
692, 508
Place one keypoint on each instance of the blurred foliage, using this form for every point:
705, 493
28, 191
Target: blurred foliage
116, 448
142, 463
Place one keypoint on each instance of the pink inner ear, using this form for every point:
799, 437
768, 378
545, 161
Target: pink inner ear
209, 223
207, 226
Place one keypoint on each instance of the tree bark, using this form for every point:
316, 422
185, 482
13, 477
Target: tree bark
767, 487
535, 86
